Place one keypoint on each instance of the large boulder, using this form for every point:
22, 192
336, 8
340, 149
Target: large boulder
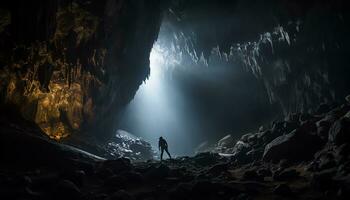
299, 145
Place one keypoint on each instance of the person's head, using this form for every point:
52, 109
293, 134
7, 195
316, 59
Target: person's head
160, 138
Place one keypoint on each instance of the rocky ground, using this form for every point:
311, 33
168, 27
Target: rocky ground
305, 156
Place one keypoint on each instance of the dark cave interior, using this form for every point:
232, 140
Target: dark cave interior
252, 97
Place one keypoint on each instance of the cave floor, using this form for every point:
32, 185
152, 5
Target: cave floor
33, 167
206, 176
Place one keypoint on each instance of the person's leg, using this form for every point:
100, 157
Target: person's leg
161, 153
168, 153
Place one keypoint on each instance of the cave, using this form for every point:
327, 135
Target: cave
174, 99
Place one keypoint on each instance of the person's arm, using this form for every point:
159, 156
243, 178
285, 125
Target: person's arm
159, 145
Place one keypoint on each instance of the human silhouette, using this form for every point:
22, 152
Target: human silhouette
163, 146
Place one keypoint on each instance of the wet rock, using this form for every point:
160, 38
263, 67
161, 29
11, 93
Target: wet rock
226, 142
66, 189
339, 132
295, 147
125, 144
283, 190
240, 151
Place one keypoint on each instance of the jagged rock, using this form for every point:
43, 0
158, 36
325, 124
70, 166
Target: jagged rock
240, 151
339, 132
227, 141
298, 145
126, 145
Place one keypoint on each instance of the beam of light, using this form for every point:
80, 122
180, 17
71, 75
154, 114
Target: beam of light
159, 108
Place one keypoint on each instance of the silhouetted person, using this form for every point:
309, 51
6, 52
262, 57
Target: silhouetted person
163, 146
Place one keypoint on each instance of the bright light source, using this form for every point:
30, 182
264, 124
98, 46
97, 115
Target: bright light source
156, 60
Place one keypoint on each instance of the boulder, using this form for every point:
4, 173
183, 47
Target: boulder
226, 142
296, 146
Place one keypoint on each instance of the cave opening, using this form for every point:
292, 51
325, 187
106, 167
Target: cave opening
160, 107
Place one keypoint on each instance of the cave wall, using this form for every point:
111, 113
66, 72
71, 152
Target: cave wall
296, 49
71, 66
